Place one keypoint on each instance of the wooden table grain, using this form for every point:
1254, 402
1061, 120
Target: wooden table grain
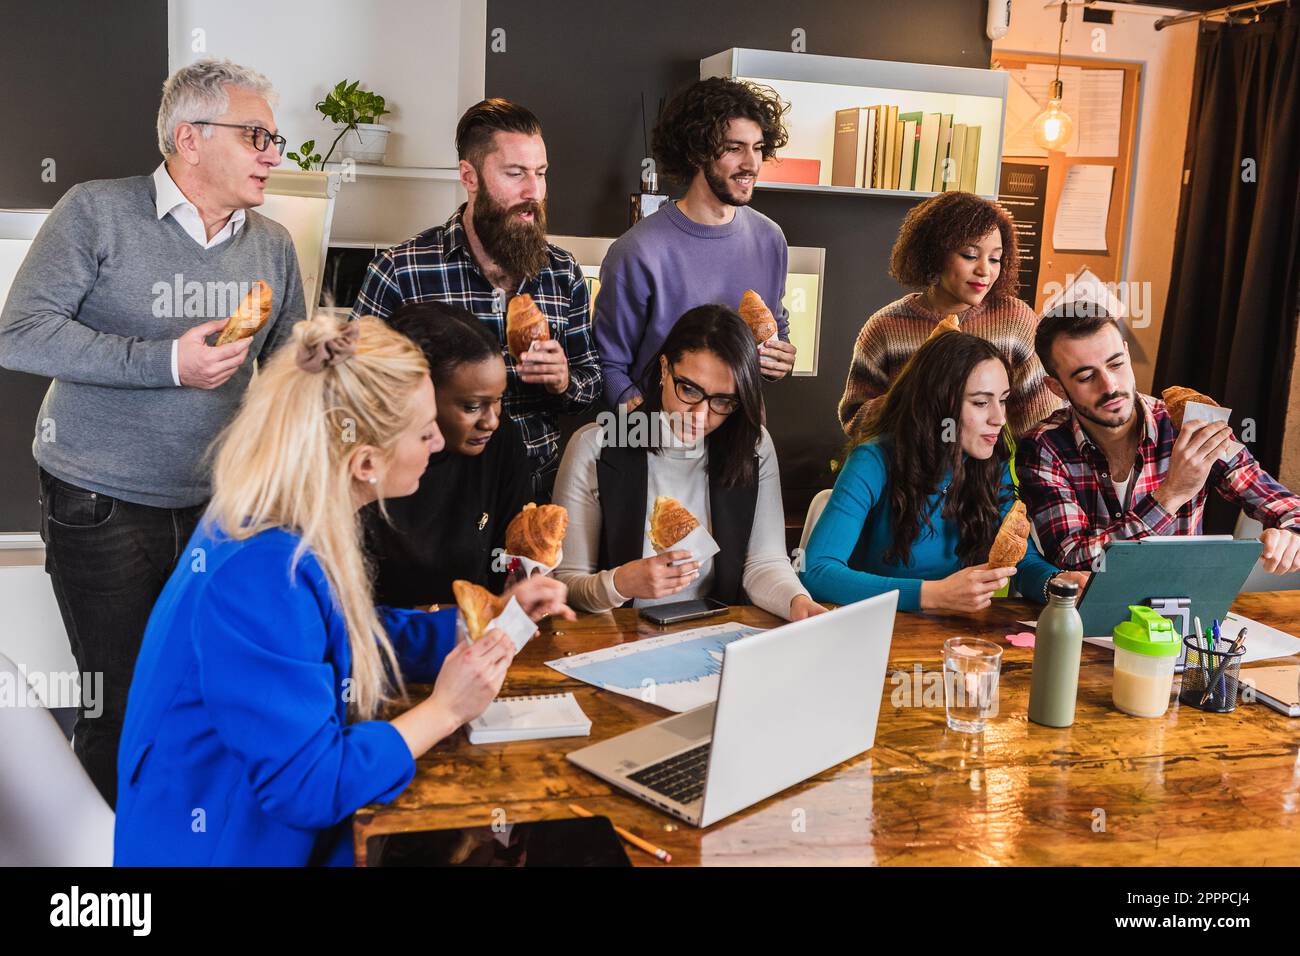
1188, 788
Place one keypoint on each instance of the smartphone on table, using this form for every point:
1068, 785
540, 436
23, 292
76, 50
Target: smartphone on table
679, 611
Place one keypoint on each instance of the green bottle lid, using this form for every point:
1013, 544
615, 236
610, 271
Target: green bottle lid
1146, 632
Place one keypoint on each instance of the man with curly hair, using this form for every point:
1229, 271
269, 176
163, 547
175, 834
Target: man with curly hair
960, 251
709, 246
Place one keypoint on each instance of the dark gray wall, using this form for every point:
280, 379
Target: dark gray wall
82, 82
582, 66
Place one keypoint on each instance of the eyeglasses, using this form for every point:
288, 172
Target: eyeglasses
262, 137
692, 394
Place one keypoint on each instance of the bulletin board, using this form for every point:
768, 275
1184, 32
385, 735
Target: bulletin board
1108, 266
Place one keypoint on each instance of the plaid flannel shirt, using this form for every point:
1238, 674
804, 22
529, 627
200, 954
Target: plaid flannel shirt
437, 266
1066, 485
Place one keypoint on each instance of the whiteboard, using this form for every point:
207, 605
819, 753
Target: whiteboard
303, 202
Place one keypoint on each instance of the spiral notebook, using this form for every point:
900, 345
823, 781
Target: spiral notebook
1276, 687
529, 718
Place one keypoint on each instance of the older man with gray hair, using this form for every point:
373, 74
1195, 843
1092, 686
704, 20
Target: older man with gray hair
116, 301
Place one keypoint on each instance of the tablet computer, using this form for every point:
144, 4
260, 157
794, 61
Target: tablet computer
1208, 571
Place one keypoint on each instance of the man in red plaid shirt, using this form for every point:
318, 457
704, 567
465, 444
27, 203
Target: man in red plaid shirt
1111, 465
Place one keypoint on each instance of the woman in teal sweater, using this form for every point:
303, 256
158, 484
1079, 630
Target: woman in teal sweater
920, 499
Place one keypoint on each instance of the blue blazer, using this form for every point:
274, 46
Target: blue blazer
236, 749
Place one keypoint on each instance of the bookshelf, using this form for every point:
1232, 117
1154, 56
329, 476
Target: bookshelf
380, 171
817, 86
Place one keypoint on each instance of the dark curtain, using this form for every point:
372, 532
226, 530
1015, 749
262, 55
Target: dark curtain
1230, 324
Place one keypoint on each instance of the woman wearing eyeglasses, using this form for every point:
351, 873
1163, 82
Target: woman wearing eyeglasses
696, 438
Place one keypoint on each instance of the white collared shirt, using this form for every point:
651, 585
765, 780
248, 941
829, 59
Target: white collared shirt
170, 199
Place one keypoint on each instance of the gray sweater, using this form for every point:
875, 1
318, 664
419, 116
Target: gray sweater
103, 292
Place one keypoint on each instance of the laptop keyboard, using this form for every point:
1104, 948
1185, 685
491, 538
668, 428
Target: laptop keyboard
680, 777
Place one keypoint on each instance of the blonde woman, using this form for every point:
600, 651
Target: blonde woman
253, 726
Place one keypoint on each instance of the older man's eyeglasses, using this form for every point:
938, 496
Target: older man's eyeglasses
691, 394
262, 137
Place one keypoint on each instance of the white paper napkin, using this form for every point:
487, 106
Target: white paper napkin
699, 543
519, 627
530, 565
1200, 412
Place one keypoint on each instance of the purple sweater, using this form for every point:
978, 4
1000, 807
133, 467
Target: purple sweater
666, 265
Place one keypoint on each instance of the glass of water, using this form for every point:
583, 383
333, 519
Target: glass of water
970, 682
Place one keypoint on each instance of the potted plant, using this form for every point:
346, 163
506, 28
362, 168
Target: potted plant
354, 112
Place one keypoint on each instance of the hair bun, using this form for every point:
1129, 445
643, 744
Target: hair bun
320, 346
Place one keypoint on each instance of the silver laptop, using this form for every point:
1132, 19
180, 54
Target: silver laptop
792, 701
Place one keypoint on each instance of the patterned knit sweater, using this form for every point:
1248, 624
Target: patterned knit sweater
892, 335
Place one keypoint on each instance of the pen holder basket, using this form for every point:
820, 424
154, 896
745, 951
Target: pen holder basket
1202, 665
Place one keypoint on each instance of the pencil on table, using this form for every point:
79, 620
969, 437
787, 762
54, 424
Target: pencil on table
631, 838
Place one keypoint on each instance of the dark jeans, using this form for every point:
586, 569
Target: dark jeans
108, 560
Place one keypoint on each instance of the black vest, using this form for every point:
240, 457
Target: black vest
622, 482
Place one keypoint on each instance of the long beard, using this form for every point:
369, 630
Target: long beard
516, 246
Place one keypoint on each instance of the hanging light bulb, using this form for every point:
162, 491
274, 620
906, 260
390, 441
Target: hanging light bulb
1053, 126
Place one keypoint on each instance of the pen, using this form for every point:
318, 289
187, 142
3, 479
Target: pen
1200, 652
1220, 672
1214, 646
631, 838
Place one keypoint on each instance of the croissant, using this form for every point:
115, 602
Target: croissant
1176, 398
478, 606
251, 315
525, 324
537, 533
1012, 540
950, 324
757, 316
670, 522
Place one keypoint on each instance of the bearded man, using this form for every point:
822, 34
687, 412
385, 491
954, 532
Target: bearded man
493, 248
709, 246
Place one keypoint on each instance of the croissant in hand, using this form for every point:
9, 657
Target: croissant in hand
248, 319
478, 606
949, 324
1012, 540
670, 522
757, 316
1176, 398
525, 324
538, 533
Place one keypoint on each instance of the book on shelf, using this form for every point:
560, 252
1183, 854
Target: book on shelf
927, 146
854, 138
869, 147
908, 157
908, 163
896, 156
970, 159
942, 152
877, 147
891, 146
952, 174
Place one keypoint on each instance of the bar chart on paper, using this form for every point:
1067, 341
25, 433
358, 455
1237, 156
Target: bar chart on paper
675, 671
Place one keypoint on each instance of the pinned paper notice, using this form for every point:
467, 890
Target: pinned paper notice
1083, 209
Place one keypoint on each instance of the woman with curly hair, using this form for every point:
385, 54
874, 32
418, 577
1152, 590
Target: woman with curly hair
921, 497
708, 247
960, 251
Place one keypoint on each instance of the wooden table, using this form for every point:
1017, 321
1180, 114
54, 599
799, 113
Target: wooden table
1186, 788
